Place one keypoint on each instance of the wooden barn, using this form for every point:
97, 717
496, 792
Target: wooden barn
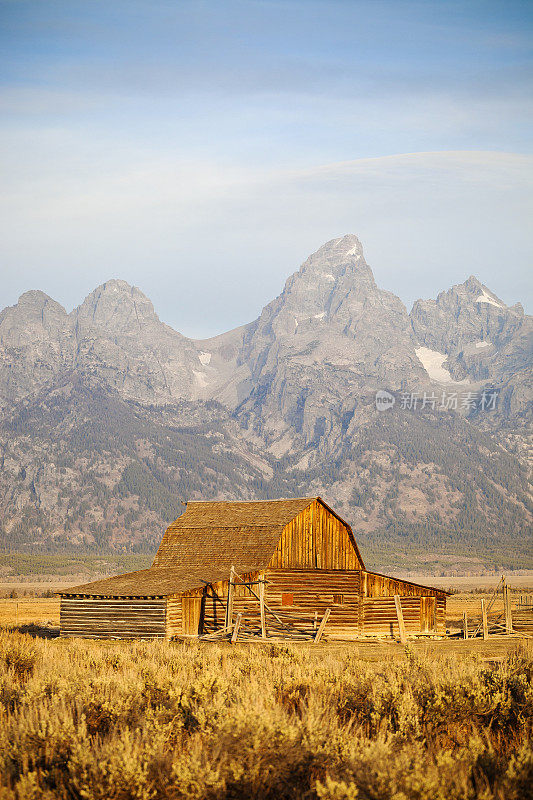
294, 558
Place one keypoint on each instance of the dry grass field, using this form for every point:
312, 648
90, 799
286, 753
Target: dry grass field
438, 720
174, 721
27, 610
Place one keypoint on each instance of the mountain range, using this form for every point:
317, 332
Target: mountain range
109, 418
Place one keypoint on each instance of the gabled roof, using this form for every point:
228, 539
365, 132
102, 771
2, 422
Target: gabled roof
219, 532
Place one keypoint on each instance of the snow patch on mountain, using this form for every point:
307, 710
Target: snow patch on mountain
485, 298
484, 344
432, 362
204, 358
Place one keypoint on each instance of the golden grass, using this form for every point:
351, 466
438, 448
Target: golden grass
174, 721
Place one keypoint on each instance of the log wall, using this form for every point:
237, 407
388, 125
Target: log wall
214, 599
314, 590
316, 539
112, 618
379, 615
309, 590
296, 594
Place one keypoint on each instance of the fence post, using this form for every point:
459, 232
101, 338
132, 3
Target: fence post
236, 627
401, 623
507, 609
484, 619
465, 625
262, 607
322, 625
229, 604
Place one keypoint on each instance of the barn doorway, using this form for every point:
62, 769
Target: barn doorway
192, 612
428, 614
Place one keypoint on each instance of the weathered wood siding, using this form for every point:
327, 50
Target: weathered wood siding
111, 618
424, 607
316, 539
211, 602
174, 616
316, 590
312, 591
421, 615
191, 610
428, 614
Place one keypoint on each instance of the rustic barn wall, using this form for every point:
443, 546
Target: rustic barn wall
420, 614
295, 595
212, 601
316, 590
110, 618
191, 610
316, 539
174, 621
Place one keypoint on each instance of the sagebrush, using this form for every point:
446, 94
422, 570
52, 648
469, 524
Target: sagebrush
158, 720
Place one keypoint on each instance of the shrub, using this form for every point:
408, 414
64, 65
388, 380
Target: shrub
18, 653
170, 721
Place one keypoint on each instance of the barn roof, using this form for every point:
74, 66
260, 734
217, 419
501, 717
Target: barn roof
203, 544
244, 534
233, 513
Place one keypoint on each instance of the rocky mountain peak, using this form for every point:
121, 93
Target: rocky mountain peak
472, 291
35, 317
117, 306
481, 337
334, 260
37, 299
344, 249
331, 283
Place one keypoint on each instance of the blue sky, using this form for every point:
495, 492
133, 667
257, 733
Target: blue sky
201, 150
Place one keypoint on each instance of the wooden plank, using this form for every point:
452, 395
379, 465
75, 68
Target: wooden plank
322, 625
236, 627
262, 608
231, 590
428, 614
399, 614
484, 619
507, 609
